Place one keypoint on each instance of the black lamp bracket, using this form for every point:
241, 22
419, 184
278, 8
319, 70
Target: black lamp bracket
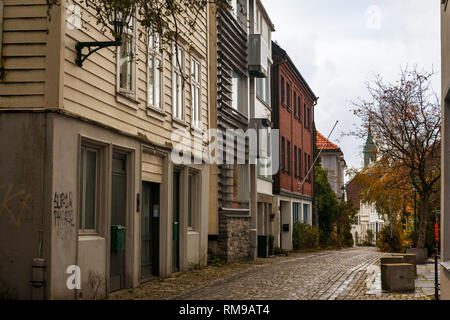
92, 47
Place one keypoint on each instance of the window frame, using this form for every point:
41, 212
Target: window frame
288, 95
194, 199
294, 105
130, 94
196, 121
82, 187
178, 111
282, 154
295, 161
299, 163
282, 90
155, 52
288, 156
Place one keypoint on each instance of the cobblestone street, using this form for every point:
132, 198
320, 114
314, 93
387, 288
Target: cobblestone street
323, 276
330, 275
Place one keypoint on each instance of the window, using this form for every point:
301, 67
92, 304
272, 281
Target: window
195, 93
306, 167
288, 157
193, 202
305, 213
288, 94
154, 72
263, 88
88, 192
282, 154
239, 11
282, 90
299, 106
295, 104
127, 63
299, 163
295, 161
177, 83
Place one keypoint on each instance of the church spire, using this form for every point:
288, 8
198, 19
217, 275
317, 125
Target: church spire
370, 149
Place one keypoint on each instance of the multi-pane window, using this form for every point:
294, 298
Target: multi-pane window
154, 71
177, 83
88, 192
126, 60
195, 93
282, 90
288, 158
282, 154
295, 161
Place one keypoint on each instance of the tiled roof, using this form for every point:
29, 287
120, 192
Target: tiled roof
324, 143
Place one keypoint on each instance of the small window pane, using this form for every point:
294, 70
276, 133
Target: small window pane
151, 80
125, 64
157, 89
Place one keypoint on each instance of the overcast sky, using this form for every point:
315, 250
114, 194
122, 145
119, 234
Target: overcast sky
338, 45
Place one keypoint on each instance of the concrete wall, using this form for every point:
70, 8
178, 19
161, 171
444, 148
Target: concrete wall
24, 215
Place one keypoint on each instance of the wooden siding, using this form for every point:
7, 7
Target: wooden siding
152, 168
25, 27
90, 91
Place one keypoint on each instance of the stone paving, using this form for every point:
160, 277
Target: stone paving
324, 276
350, 274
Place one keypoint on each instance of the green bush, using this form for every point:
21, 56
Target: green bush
305, 236
398, 242
347, 240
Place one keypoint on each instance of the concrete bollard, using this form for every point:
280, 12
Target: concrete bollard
409, 258
388, 260
421, 254
398, 277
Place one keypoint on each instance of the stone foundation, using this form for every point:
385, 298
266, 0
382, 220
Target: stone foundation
234, 237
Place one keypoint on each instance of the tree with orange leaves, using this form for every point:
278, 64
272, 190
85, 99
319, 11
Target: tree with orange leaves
405, 120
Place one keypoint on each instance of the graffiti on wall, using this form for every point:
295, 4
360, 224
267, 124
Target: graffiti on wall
13, 203
63, 214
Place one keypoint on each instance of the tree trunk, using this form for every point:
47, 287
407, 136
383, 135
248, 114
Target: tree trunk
424, 204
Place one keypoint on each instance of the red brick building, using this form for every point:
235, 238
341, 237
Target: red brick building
293, 104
